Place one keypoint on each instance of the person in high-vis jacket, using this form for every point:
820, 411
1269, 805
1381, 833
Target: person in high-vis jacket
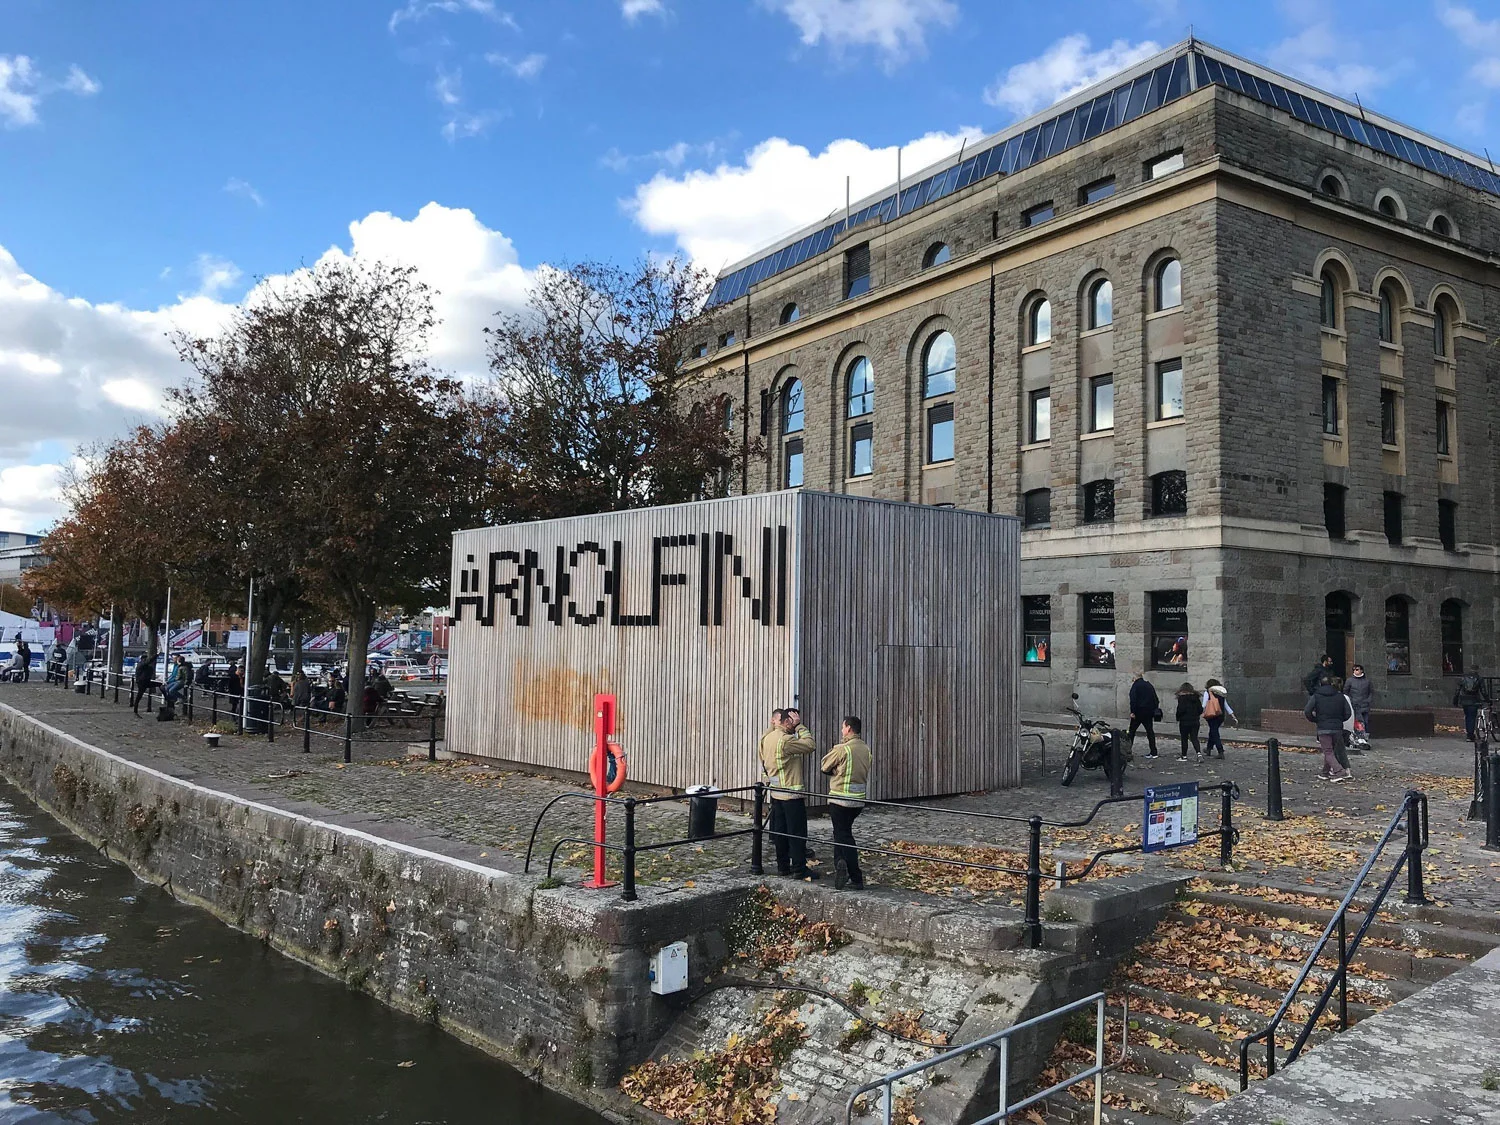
848, 768
784, 750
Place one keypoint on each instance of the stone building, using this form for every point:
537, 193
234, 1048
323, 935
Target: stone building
1218, 339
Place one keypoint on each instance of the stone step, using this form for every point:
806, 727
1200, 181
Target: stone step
1188, 1040
1160, 1094
1064, 1110
1397, 963
1244, 1018
1414, 934
1236, 976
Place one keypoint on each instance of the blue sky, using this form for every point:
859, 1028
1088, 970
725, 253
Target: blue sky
158, 157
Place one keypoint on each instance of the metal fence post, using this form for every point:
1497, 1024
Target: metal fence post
1273, 779
117, 687
348, 737
270, 721
1492, 804
1414, 845
757, 855
1343, 972
1034, 882
214, 706
629, 877
1479, 805
306, 729
432, 738
1226, 827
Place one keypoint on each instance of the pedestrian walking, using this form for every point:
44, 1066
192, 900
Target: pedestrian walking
141, 682
1216, 709
1471, 695
1328, 707
1189, 713
25, 651
1145, 711
848, 768
1360, 689
783, 753
1324, 667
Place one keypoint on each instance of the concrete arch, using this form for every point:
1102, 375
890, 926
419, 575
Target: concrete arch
1433, 222
1329, 171
1391, 276
1442, 291
1389, 194
1335, 257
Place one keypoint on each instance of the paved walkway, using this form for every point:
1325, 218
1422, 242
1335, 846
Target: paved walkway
485, 815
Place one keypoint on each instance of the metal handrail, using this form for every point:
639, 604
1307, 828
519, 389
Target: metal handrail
1001, 1040
1414, 810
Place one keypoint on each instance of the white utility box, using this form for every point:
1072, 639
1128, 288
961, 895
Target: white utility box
669, 969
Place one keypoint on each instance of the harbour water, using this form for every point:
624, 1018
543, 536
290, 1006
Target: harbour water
118, 1003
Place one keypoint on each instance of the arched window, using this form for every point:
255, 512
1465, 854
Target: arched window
1397, 636
1444, 316
1332, 186
1168, 287
861, 388
1442, 225
792, 422
936, 255
1387, 314
1451, 623
1101, 303
791, 408
1330, 307
939, 366
790, 313
1039, 322
1389, 204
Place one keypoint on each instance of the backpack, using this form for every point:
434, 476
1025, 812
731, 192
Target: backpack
1469, 685
1214, 708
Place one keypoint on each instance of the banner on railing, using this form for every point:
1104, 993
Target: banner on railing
1170, 819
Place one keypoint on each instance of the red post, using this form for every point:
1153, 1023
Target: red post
604, 727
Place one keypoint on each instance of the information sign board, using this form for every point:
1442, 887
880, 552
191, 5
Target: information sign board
1170, 819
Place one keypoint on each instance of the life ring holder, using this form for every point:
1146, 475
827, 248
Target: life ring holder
614, 768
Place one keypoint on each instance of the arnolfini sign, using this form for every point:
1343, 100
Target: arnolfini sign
703, 617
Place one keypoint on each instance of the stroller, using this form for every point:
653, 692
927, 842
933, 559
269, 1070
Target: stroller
1358, 740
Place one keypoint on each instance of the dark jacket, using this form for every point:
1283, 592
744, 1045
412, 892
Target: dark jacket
1189, 709
1310, 681
1328, 708
1143, 700
1470, 691
1360, 689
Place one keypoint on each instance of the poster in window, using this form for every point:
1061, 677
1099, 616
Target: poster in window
1169, 629
1099, 630
1036, 627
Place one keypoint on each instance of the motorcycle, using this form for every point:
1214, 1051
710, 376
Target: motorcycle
1090, 748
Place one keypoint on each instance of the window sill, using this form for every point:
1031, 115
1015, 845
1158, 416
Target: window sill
1103, 328
1164, 515
1334, 333
1442, 456
1093, 434
1164, 423
1036, 527
856, 480
1334, 439
1159, 313
1096, 523
1387, 346
1036, 445
1384, 448
1035, 664
933, 465
1029, 348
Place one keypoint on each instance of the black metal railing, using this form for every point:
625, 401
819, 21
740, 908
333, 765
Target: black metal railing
1414, 811
1226, 833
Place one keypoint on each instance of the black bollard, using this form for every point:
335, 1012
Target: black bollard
1478, 804
756, 839
1416, 842
1273, 779
1492, 809
1034, 882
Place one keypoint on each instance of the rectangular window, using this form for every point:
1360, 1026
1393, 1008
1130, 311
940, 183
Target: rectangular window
940, 433
1040, 412
1444, 429
1101, 403
1036, 630
727, 339
1097, 613
1393, 517
1164, 165
1169, 493
1099, 501
1169, 629
1099, 189
1333, 510
700, 350
861, 443
1036, 508
1169, 389
1451, 622
792, 467
1448, 524
1389, 431
1038, 214
1330, 405
1397, 637
857, 270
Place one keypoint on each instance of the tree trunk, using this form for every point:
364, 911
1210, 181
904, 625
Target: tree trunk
153, 649
270, 604
359, 648
296, 647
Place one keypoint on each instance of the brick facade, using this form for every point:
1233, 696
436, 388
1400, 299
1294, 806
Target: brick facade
1251, 553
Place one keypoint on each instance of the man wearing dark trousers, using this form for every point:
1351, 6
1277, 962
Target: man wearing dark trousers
1144, 705
848, 768
784, 751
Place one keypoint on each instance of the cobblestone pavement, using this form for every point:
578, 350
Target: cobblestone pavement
486, 815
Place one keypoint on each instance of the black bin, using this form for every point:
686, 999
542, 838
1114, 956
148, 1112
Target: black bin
703, 808
257, 709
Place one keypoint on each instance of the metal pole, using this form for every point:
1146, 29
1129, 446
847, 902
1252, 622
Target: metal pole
166, 653
1273, 779
1492, 805
213, 715
249, 636
757, 855
1343, 972
432, 738
1479, 804
1099, 1062
270, 721
1414, 844
348, 737
306, 729
1034, 882
629, 876
1226, 827
1004, 1080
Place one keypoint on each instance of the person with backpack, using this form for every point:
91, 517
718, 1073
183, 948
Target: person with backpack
1471, 695
1145, 710
1216, 709
1328, 707
1360, 689
1189, 713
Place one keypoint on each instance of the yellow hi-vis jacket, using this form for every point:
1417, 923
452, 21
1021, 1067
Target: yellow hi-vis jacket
848, 768
784, 758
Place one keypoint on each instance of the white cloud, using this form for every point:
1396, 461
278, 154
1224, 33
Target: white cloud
447, 87
72, 371
80, 83
673, 156
525, 69
1478, 35
896, 28
235, 186
719, 216
215, 274
462, 125
1328, 60
1064, 68
23, 87
632, 10
420, 9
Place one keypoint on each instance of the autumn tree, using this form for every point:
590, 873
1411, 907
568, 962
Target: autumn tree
587, 409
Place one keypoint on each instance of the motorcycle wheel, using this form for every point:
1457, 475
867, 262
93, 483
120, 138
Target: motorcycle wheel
1070, 767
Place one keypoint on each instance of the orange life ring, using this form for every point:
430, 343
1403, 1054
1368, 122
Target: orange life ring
614, 769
